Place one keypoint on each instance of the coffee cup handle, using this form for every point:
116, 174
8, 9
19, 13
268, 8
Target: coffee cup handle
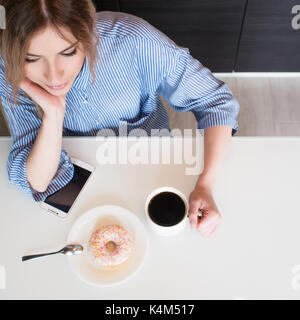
200, 213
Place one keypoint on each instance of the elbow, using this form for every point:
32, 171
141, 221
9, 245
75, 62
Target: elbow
40, 189
18, 174
36, 181
21, 180
37, 187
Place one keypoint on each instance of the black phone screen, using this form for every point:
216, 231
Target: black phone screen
64, 198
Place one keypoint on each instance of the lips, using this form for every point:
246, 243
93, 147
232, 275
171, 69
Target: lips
59, 87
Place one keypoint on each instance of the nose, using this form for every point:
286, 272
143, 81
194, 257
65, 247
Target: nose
54, 73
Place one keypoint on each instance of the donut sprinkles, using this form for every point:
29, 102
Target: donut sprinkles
110, 245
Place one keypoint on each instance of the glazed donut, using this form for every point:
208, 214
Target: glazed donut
110, 245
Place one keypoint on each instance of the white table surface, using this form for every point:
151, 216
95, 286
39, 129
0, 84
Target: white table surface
254, 254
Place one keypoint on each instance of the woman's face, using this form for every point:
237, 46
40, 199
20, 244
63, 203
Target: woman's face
52, 62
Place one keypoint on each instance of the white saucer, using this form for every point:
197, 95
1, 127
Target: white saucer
82, 231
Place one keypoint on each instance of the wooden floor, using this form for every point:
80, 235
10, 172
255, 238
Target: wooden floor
268, 107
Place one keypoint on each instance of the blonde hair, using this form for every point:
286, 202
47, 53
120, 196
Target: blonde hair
25, 18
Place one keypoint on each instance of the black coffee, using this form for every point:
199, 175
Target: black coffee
166, 209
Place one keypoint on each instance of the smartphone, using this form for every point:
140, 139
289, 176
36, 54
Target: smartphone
62, 201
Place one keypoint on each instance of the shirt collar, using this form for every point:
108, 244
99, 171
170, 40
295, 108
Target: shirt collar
83, 77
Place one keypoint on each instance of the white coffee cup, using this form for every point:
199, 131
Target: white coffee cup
166, 230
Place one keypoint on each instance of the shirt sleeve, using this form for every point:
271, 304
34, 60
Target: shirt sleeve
24, 123
186, 84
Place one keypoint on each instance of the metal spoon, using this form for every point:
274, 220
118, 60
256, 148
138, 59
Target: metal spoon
70, 249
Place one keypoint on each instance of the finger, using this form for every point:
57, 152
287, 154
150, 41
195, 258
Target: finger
195, 218
207, 225
37, 93
213, 232
205, 229
208, 230
193, 213
204, 222
25, 82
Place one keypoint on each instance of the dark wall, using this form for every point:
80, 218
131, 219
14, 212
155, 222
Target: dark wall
225, 35
209, 28
269, 42
108, 5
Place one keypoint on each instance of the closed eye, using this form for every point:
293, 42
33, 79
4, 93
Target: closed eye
69, 54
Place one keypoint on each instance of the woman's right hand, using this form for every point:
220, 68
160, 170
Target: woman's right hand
51, 105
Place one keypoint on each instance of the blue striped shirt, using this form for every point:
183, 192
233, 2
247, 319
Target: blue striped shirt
136, 64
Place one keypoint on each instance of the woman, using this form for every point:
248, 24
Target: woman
67, 71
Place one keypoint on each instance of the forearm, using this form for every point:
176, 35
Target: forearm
216, 144
43, 160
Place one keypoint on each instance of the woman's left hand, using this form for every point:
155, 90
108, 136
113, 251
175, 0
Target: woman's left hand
201, 198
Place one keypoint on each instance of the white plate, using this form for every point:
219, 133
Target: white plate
82, 231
